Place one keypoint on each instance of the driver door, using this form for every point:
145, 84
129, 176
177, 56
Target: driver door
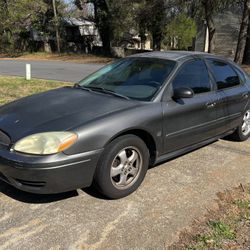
188, 121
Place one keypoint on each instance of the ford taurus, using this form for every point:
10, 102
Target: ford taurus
110, 127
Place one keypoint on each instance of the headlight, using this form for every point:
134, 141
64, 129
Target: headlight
45, 143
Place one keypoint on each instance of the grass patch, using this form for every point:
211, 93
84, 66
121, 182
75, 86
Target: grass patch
225, 228
222, 231
218, 232
12, 88
242, 204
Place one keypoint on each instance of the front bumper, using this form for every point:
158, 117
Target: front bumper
48, 174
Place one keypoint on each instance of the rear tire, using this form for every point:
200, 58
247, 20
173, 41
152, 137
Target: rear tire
122, 167
242, 133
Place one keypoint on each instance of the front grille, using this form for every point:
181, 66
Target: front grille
4, 139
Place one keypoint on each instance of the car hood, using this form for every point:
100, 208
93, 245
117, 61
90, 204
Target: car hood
57, 110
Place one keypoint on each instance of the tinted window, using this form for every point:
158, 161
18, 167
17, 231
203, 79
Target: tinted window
224, 74
240, 74
193, 75
137, 78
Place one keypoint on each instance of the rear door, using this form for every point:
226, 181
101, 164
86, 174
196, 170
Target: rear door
231, 86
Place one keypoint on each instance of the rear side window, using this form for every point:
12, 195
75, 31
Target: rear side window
224, 74
193, 75
240, 74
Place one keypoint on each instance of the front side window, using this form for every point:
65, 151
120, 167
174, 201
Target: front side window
136, 78
224, 74
193, 75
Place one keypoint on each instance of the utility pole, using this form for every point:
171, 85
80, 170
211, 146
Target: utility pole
56, 27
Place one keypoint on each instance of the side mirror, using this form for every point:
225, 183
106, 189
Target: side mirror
183, 93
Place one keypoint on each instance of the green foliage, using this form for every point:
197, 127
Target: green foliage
222, 231
121, 19
18, 17
219, 231
152, 16
181, 29
242, 204
164, 21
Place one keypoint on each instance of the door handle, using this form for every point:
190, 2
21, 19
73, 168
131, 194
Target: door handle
211, 105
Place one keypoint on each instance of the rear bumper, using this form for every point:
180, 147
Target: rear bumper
48, 174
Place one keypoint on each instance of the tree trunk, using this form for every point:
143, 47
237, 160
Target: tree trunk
46, 44
243, 33
102, 18
143, 39
157, 39
157, 21
246, 58
56, 27
208, 8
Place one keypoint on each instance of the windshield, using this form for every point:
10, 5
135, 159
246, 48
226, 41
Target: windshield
135, 78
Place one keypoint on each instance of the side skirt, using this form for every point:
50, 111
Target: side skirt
172, 155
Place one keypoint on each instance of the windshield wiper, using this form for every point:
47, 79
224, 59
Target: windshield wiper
108, 91
78, 86
102, 90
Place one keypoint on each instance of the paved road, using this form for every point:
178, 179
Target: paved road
54, 70
171, 197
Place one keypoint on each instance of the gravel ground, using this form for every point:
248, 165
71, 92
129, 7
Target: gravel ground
173, 195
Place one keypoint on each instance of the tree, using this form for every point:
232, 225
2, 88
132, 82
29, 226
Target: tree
152, 16
102, 20
103, 23
56, 26
48, 25
114, 20
242, 41
14, 24
207, 10
122, 21
157, 21
181, 30
209, 7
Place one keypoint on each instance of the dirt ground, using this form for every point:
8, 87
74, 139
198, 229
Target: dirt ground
172, 197
78, 58
227, 227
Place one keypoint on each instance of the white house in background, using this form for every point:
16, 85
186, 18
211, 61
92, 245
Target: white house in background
79, 29
79, 34
138, 43
226, 35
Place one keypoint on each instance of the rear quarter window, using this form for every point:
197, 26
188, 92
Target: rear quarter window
241, 74
225, 75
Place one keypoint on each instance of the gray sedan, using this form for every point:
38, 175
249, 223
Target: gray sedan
110, 127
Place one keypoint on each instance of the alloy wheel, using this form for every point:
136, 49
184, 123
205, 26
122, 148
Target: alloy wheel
126, 168
246, 124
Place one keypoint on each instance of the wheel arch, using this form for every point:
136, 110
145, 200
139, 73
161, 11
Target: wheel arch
144, 136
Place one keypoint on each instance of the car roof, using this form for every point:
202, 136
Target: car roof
175, 55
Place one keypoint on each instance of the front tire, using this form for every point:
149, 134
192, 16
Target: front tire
242, 133
122, 167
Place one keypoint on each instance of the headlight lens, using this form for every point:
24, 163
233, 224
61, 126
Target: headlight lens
45, 143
